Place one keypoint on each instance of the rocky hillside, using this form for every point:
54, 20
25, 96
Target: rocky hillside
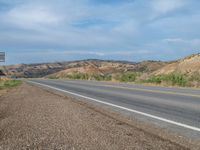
108, 67
100, 67
184, 72
188, 65
29, 71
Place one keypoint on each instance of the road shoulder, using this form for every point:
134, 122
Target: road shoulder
36, 118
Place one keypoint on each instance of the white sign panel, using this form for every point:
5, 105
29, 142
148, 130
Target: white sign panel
2, 56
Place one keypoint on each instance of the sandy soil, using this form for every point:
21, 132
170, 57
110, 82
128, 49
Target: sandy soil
33, 118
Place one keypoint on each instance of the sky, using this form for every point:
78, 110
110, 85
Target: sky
34, 31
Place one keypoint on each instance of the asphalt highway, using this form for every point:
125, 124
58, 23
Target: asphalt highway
174, 108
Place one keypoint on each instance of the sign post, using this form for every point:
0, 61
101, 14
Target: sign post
2, 59
2, 56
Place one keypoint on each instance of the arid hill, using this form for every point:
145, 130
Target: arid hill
188, 65
183, 72
33, 70
100, 67
108, 67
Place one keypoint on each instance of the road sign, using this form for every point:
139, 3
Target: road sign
2, 56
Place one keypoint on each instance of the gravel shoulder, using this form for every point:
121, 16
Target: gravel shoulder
34, 118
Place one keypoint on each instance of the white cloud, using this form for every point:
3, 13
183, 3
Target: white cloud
32, 16
181, 45
101, 30
166, 6
51, 24
173, 40
193, 42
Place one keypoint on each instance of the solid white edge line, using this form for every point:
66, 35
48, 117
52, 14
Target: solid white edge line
121, 107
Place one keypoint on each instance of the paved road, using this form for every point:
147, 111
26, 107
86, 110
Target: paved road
174, 108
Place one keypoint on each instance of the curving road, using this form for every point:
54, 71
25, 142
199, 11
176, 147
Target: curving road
173, 108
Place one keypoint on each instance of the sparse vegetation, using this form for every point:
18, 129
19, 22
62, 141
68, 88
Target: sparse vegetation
122, 77
85, 76
195, 77
194, 80
174, 79
127, 77
78, 76
184, 72
9, 83
53, 77
101, 77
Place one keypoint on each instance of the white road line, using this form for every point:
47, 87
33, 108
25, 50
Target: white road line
121, 107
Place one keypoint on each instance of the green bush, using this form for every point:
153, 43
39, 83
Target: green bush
108, 77
127, 77
99, 77
172, 79
85, 76
154, 79
175, 79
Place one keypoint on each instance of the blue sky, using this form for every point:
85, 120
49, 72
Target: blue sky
33, 31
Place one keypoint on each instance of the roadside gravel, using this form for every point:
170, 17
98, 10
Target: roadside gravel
33, 118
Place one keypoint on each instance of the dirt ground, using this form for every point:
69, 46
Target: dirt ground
33, 118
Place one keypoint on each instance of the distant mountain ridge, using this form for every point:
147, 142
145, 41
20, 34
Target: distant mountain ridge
187, 65
93, 65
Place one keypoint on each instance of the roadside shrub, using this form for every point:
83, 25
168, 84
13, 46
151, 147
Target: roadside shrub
79, 76
171, 79
195, 77
127, 77
154, 79
85, 76
176, 79
108, 77
99, 77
